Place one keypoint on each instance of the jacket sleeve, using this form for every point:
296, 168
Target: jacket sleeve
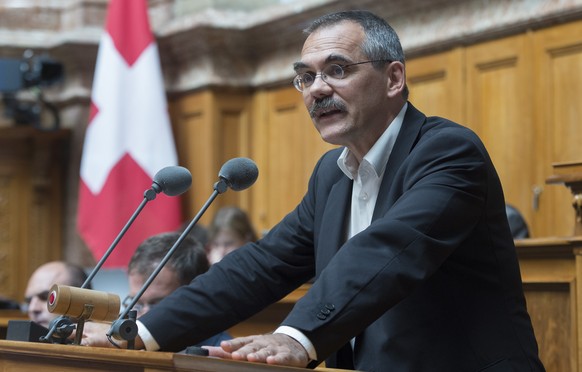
240, 285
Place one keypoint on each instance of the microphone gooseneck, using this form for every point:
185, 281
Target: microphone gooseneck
239, 173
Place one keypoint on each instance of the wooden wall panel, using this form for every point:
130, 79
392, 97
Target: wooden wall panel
436, 84
287, 148
13, 217
288, 134
499, 108
505, 89
549, 270
194, 135
211, 128
233, 138
32, 167
550, 308
558, 75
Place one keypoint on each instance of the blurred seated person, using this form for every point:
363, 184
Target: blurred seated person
198, 232
39, 284
187, 262
517, 224
230, 228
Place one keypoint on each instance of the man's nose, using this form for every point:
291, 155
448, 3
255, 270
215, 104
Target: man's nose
36, 305
320, 88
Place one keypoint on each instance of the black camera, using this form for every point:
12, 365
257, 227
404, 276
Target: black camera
18, 74
32, 73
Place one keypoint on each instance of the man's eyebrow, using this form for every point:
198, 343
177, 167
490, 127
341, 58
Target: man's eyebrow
331, 58
337, 58
299, 66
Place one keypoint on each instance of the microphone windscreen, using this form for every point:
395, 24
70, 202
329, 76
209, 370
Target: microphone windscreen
173, 180
239, 173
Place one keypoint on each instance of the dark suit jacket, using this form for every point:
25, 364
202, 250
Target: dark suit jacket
433, 284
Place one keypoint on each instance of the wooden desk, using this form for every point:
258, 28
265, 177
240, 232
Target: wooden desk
18, 356
550, 269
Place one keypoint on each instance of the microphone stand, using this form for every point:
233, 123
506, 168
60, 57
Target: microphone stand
126, 329
62, 327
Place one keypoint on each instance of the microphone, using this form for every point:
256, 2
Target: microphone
172, 181
83, 303
237, 174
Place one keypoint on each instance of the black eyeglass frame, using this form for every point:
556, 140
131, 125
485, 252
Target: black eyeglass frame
137, 307
300, 84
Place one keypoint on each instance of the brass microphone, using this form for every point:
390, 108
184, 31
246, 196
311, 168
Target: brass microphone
83, 303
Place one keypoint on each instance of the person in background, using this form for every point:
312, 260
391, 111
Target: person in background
517, 223
198, 232
186, 263
39, 284
403, 227
230, 228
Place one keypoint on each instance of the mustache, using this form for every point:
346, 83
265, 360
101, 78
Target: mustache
326, 103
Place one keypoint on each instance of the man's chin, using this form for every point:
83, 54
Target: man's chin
44, 323
330, 136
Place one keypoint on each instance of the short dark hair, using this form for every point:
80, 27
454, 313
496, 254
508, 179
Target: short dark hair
188, 260
77, 275
381, 42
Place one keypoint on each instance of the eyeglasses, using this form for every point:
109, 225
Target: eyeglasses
42, 296
137, 307
330, 74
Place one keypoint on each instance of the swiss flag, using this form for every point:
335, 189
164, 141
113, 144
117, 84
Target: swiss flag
128, 139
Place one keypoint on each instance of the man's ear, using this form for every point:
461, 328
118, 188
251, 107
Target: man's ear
396, 78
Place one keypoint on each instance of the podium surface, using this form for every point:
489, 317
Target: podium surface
29, 356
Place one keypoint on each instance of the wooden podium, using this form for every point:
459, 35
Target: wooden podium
18, 356
551, 270
570, 174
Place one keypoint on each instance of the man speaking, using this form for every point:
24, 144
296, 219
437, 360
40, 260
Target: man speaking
403, 229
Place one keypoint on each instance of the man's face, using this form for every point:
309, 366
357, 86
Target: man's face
163, 285
37, 291
361, 112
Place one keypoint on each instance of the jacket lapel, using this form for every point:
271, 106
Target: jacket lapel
333, 223
409, 132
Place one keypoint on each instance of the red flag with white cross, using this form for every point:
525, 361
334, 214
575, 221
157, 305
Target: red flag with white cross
128, 138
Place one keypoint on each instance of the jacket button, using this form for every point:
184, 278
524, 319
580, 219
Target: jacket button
330, 306
321, 316
325, 311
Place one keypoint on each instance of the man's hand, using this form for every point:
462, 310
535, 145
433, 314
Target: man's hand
94, 334
277, 349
